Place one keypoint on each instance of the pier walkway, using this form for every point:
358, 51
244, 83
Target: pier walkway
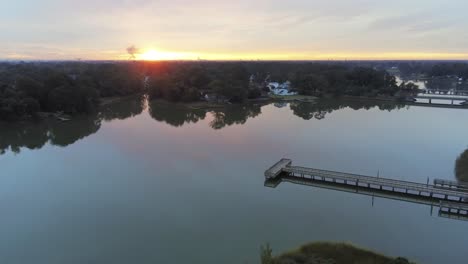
449, 196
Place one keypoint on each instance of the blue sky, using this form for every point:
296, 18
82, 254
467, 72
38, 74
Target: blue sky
263, 29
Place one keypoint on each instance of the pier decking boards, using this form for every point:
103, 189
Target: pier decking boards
450, 197
438, 183
277, 168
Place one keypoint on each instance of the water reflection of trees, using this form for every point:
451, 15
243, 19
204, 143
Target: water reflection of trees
179, 115
34, 135
461, 167
234, 115
320, 109
123, 109
175, 115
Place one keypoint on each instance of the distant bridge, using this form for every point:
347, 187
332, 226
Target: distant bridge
450, 197
451, 98
446, 92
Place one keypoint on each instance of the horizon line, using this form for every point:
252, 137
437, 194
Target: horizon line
229, 60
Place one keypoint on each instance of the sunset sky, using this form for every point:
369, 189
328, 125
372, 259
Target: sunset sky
241, 29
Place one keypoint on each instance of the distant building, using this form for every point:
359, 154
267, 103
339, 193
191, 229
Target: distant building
281, 89
394, 70
252, 79
273, 85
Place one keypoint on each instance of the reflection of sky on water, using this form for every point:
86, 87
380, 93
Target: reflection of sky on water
142, 190
388, 137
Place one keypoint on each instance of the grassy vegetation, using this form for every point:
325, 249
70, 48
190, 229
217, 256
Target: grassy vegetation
307, 98
324, 253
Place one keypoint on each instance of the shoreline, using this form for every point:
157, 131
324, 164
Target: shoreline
103, 101
307, 99
204, 105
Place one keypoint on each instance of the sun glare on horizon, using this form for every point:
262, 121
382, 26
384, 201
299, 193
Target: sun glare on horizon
155, 55
150, 55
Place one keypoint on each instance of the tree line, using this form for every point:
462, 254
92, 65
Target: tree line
77, 87
29, 88
449, 69
238, 81
189, 81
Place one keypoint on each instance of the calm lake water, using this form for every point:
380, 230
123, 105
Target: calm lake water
157, 183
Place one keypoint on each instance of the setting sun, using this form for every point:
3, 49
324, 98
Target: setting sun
150, 55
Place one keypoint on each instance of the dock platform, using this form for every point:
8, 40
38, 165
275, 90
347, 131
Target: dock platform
277, 168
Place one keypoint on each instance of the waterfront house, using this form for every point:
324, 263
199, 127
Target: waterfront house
280, 88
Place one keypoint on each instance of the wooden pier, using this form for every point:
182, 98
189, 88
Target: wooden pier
450, 197
438, 183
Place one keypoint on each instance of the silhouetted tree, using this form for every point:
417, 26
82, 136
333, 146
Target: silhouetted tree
461, 167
